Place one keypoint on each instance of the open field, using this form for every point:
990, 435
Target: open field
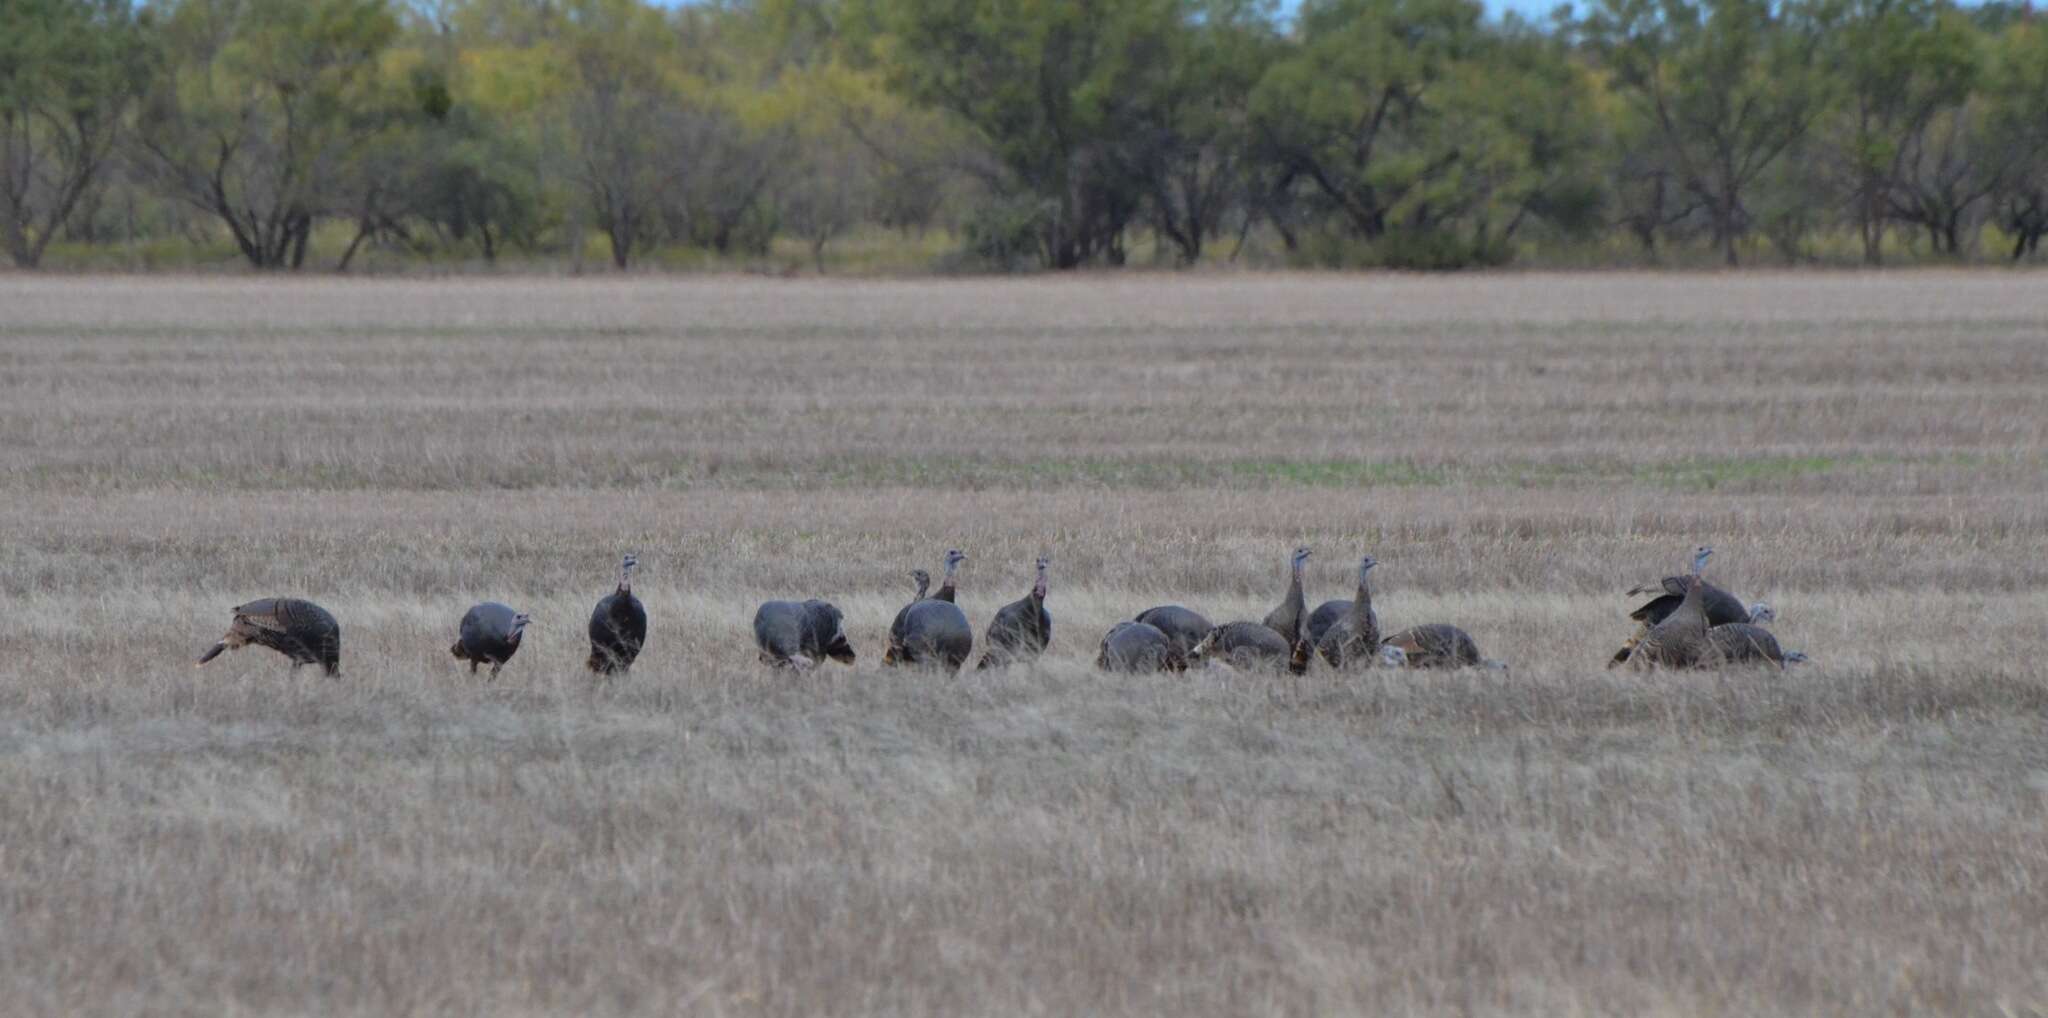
1867, 834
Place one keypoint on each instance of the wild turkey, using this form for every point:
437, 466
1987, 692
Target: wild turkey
618, 626
801, 635
1742, 643
1245, 645
1287, 619
1134, 647
1184, 627
1439, 645
298, 629
953, 560
924, 583
490, 635
1021, 629
1680, 640
1326, 615
930, 632
1760, 614
1722, 608
1353, 639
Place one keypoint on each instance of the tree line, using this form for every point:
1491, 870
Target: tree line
1031, 133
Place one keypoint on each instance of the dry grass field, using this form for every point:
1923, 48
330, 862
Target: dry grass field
1867, 834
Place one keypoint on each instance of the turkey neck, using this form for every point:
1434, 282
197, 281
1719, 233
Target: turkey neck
1289, 612
1691, 611
947, 587
1361, 605
1038, 587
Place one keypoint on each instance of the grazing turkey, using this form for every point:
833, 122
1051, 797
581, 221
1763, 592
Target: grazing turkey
930, 632
618, 626
490, 635
1353, 639
1184, 627
801, 635
1439, 645
1134, 647
1680, 641
298, 629
1760, 614
1744, 643
1326, 615
1245, 645
1021, 629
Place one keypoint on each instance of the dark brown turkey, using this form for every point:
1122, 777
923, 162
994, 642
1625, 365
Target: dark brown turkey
298, 629
1021, 629
1183, 627
1134, 647
490, 634
1353, 640
1439, 645
801, 635
618, 626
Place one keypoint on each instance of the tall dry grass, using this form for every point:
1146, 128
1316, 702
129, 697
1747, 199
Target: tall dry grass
1865, 834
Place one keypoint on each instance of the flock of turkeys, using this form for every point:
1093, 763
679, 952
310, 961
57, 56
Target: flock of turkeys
1687, 623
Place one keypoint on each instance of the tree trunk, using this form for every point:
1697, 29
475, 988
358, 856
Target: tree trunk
1724, 231
18, 247
1189, 242
302, 232
576, 238
348, 255
1244, 232
1872, 227
622, 245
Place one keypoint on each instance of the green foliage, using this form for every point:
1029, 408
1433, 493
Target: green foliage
1041, 133
1902, 64
69, 70
1411, 122
1004, 235
1056, 90
261, 109
1723, 88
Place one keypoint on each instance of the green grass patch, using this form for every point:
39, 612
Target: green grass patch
1709, 474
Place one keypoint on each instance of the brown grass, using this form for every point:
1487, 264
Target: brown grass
1866, 834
